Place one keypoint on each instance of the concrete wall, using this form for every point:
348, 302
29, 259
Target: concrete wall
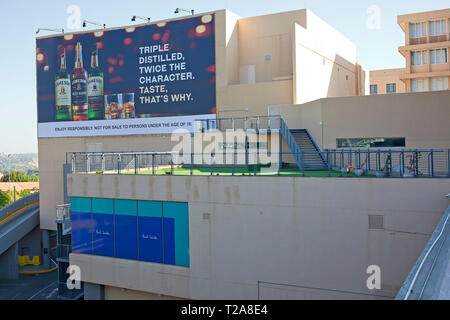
422, 118
298, 231
324, 64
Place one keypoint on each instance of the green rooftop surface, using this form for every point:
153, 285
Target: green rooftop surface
239, 171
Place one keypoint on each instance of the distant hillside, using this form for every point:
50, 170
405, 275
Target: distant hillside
21, 162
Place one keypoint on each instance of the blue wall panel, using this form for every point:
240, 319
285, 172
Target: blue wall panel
150, 231
81, 225
103, 227
169, 240
180, 213
126, 229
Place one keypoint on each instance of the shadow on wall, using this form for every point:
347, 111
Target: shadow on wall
342, 81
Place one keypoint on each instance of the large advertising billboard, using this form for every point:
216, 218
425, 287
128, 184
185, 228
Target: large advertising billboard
148, 79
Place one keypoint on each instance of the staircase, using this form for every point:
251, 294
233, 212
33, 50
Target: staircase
312, 158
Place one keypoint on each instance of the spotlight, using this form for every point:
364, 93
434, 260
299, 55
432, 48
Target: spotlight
85, 23
141, 18
177, 10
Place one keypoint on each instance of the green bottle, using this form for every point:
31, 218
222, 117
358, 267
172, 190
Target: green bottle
96, 104
63, 92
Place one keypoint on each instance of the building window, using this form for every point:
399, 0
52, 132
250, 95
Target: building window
439, 84
391, 88
438, 27
372, 143
419, 58
418, 30
373, 89
438, 56
419, 85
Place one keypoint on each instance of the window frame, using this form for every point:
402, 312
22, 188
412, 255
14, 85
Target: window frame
414, 25
442, 23
372, 143
376, 89
423, 54
392, 85
422, 80
442, 56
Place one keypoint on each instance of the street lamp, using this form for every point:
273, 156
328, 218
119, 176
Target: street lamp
9, 176
177, 10
86, 22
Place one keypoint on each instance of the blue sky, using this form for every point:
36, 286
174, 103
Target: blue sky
19, 20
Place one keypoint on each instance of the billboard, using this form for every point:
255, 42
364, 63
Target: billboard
148, 79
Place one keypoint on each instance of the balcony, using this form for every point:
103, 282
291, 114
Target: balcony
415, 41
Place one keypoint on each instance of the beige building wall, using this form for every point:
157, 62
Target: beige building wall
325, 62
297, 231
421, 118
381, 78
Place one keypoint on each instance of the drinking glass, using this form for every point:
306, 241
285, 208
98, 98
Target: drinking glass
128, 110
113, 106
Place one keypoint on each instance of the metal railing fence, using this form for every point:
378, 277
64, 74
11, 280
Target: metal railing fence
393, 163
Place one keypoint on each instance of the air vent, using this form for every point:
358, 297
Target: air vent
376, 222
268, 57
207, 216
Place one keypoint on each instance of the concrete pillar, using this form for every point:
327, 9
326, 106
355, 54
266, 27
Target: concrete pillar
46, 262
9, 263
94, 291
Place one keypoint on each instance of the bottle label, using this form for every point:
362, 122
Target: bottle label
79, 92
95, 86
62, 92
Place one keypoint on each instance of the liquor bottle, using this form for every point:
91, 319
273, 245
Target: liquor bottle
79, 88
63, 92
95, 89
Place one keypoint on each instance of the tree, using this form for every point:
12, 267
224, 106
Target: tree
4, 199
18, 176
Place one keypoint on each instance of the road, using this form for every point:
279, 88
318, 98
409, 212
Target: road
30, 287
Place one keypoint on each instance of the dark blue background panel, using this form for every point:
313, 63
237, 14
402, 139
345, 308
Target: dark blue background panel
150, 239
103, 238
103, 227
81, 232
169, 240
126, 235
120, 60
81, 225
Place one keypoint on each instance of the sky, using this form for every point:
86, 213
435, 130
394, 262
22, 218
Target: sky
377, 43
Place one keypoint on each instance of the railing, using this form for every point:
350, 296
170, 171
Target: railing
426, 277
8, 212
292, 144
257, 123
392, 163
404, 163
64, 217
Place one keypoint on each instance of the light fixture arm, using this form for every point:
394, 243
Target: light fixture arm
177, 10
85, 22
141, 18
47, 29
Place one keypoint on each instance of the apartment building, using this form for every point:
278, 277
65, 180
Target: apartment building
426, 52
387, 81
